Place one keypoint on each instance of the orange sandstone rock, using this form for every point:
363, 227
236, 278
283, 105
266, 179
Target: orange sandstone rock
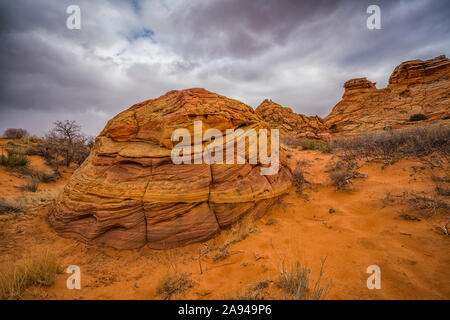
289, 122
414, 87
128, 193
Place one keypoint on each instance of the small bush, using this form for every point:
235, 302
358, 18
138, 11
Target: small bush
395, 144
255, 292
418, 117
295, 280
12, 133
39, 269
240, 231
32, 184
298, 179
341, 174
174, 282
13, 159
28, 201
309, 144
221, 255
47, 177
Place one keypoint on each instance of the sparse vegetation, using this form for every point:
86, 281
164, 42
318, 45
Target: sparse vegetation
12, 159
240, 231
310, 144
307, 144
256, 291
13, 133
418, 117
38, 269
295, 281
32, 184
298, 178
342, 172
395, 144
442, 185
221, 255
174, 282
27, 201
427, 206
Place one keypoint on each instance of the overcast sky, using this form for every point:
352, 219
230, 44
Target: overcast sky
297, 53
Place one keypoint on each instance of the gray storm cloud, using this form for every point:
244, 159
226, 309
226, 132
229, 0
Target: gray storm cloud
298, 53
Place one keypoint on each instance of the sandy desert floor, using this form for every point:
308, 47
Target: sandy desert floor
352, 228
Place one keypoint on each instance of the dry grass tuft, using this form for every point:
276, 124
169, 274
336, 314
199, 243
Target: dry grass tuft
13, 159
341, 173
173, 282
255, 292
32, 184
28, 201
298, 178
240, 231
38, 269
392, 145
295, 281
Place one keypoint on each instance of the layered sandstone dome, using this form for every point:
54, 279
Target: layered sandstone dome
414, 87
289, 122
128, 193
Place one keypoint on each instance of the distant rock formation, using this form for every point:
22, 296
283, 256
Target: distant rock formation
289, 122
415, 87
128, 193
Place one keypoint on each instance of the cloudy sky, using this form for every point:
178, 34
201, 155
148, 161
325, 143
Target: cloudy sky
297, 53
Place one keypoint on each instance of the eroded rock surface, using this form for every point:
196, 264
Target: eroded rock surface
414, 87
128, 193
289, 122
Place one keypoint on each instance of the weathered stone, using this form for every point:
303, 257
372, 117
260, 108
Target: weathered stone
414, 87
128, 193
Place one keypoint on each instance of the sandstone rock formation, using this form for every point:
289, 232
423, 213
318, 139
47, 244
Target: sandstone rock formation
414, 87
289, 122
128, 193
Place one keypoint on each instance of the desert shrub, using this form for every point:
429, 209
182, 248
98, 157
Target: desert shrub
424, 204
341, 173
221, 255
418, 117
32, 184
310, 144
47, 177
13, 133
7, 208
174, 282
442, 185
13, 159
294, 279
289, 140
298, 178
240, 231
254, 292
28, 201
395, 144
38, 269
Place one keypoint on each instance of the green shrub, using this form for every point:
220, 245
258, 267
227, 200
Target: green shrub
13, 159
309, 144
